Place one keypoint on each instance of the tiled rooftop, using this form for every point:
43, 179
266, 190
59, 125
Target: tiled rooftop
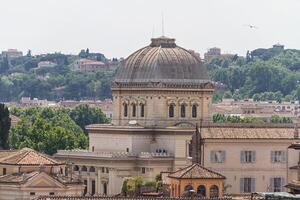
19, 178
27, 156
196, 171
112, 154
247, 133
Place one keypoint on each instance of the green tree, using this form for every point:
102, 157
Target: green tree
4, 65
84, 115
46, 130
5, 123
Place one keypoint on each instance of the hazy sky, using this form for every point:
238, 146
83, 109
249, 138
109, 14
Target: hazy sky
119, 27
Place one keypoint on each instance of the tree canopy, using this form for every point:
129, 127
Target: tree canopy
22, 77
46, 130
84, 115
265, 74
5, 123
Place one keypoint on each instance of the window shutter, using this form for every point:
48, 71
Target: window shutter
252, 184
223, 156
254, 156
242, 156
282, 185
242, 185
271, 185
283, 158
272, 156
212, 156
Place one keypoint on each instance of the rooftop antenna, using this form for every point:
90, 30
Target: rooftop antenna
153, 31
162, 24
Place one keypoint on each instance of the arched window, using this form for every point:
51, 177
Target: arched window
92, 169
194, 111
201, 191
84, 168
105, 188
133, 110
125, 110
76, 168
182, 111
171, 110
188, 188
142, 110
213, 191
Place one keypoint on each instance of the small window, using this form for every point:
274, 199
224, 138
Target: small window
92, 169
278, 156
103, 170
84, 169
32, 193
142, 110
51, 193
93, 148
125, 110
76, 168
107, 170
277, 184
143, 170
247, 185
248, 156
171, 110
182, 111
194, 111
133, 110
217, 156
127, 150
4, 171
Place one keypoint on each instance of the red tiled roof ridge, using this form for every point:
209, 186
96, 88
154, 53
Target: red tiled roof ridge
191, 167
22, 155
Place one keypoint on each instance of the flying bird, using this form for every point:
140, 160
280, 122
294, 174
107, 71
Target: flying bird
251, 26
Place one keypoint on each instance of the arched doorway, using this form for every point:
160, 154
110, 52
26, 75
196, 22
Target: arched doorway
201, 191
213, 191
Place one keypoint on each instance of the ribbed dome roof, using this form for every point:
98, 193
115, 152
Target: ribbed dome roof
162, 61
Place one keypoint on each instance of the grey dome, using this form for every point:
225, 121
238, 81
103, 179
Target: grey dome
162, 62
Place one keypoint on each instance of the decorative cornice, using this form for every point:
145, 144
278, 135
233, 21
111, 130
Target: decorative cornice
156, 85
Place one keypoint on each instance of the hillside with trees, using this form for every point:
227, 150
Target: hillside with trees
21, 77
264, 74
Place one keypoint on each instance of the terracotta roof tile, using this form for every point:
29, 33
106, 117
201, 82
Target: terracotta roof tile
17, 178
27, 156
20, 178
247, 133
196, 171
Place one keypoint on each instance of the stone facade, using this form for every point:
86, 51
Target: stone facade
154, 93
157, 101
